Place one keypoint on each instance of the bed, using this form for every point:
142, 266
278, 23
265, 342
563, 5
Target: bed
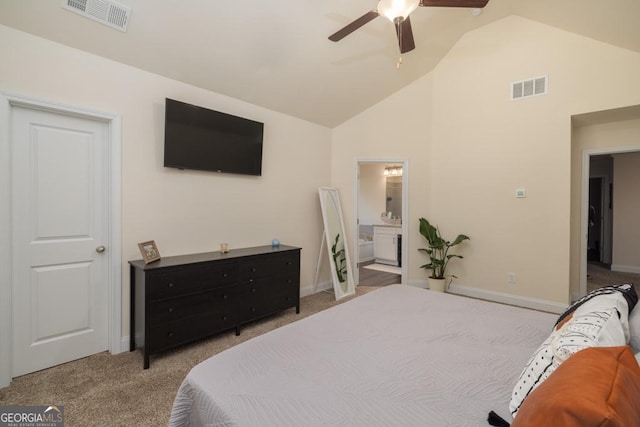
397, 356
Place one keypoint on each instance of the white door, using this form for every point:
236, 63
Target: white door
59, 226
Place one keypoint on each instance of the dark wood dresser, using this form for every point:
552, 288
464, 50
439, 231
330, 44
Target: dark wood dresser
184, 298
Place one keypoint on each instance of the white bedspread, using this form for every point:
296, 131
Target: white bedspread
398, 356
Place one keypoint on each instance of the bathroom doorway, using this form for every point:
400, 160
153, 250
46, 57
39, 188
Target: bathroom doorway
382, 209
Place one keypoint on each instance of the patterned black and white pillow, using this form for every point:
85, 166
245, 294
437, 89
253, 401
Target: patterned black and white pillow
627, 290
600, 319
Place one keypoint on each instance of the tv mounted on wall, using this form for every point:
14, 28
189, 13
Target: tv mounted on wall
201, 139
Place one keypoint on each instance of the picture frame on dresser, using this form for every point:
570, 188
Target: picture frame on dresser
149, 251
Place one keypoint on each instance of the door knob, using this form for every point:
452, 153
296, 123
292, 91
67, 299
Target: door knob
100, 249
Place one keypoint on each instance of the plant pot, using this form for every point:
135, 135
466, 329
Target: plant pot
437, 285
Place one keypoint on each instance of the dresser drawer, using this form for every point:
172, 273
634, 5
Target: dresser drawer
260, 287
173, 309
256, 267
191, 280
283, 283
263, 296
267, 303
169, 335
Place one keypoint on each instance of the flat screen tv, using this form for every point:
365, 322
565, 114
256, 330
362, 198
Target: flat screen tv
201, 139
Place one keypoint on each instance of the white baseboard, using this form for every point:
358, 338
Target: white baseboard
501, 297
311, 289
304, 291
533, 303
126, 342
124, 345
625, 268
418, 284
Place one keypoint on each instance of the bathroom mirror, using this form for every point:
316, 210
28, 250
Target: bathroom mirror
335, 239
394, 196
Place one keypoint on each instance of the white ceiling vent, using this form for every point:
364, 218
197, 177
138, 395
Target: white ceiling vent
108, 12
530, 87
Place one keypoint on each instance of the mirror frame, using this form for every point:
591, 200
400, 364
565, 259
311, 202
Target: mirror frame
334, 226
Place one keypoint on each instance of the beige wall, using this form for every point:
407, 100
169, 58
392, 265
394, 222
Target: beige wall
626, 212
398, 128
596, 133
183, 211
471, 147
468, 147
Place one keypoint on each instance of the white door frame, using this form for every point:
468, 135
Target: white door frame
113, 168
584, 204
405, 212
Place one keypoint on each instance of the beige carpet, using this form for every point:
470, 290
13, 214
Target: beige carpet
599, 276
111, 390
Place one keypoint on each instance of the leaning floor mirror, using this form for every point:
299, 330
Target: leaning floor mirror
336, 242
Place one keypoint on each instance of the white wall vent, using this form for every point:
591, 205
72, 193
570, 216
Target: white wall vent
107, 12
530, 87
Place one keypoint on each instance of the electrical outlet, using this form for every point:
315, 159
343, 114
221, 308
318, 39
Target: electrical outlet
511, 278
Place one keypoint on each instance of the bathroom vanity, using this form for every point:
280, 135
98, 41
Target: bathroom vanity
387, 240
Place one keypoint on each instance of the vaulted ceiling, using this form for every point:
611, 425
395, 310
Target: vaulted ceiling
276, 53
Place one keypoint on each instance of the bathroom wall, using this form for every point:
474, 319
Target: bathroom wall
372, 193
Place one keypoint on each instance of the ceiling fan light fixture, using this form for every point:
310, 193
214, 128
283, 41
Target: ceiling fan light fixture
394, 9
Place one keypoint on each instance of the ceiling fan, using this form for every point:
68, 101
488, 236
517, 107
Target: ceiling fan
398, 11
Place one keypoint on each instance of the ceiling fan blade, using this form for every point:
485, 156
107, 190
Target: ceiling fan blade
454, 3
350, 28
405, 35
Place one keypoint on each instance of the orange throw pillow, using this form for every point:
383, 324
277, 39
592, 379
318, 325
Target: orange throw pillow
597, 386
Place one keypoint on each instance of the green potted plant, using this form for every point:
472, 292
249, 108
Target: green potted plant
339, 259
438, 253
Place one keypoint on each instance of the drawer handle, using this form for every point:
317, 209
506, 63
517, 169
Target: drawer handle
171, 285
171, 310
253, 270
170, 334
253, 289
289, 281
253, 309
225, 275
288, 262
224, 317
225, 296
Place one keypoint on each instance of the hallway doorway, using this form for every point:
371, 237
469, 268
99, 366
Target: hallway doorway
609, 207
596, 219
